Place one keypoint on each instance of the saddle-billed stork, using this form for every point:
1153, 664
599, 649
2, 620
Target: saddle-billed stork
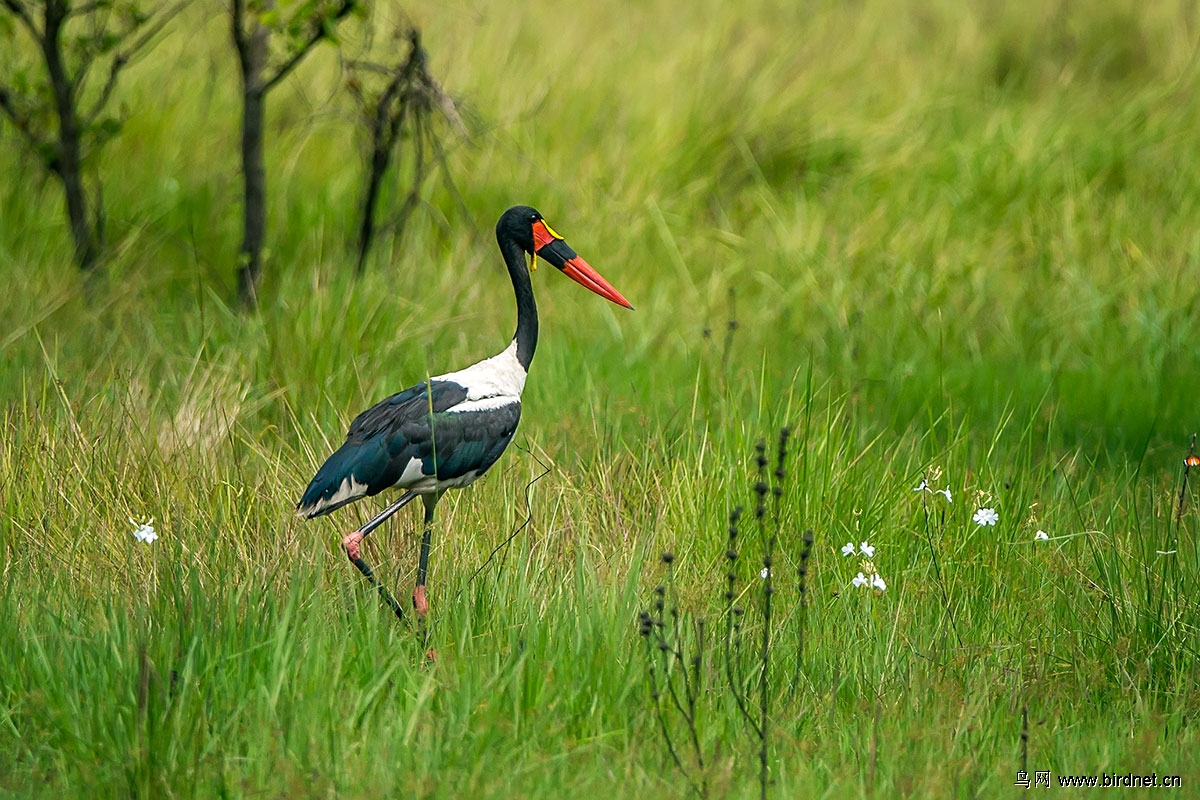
446, 433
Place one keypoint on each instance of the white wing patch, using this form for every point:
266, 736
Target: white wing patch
349, 489
482, 404
412, 474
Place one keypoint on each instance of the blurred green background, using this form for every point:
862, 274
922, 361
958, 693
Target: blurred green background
941, 236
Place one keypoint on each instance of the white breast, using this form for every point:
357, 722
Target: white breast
491, 383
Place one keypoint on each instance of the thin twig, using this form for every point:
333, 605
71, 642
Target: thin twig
937, 570
768, 538
315, 36
733, 616
528, 518
237, 15
126, 55
19, 121
688, 714
656, 696
19, 10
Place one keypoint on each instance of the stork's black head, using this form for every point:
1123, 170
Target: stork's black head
525, 227
516, 225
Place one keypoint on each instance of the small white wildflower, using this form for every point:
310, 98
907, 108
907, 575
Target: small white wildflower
848, 549
1041, 536
867, 550
924, 487
860, 580
765, 573
877, 583
1166, 552
144, 531
986, 516
946, 492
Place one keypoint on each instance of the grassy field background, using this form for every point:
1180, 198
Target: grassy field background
934, 239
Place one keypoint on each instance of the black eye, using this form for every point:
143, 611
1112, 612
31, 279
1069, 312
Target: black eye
533, 218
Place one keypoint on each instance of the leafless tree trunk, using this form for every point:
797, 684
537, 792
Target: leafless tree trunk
403, 108
252, 57
95, 37
253, 32
67, 165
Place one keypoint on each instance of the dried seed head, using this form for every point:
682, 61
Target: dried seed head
668, 557
738, 611
660, 590
662, 646
784, 433
767, 562
731, 555
760, 488
728, 596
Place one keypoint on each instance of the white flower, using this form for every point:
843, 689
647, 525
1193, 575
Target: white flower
765, 572
848, 549
867, 550
144, 530
1041, 536
946, 492
986, 516
924, 487
877, 583
860, 580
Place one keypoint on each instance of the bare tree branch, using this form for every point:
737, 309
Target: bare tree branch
237, 14
71, 40
18, 10
19, 121
315, 36
118, 63
83, 9
126, 55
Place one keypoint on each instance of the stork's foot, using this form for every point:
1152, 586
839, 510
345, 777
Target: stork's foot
420, 602
351, 543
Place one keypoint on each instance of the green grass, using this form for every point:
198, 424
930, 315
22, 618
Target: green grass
955, 238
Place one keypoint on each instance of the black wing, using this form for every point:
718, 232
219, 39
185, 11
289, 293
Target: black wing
371, 454
414, 424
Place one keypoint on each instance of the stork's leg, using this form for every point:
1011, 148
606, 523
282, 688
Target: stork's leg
420, 601
353, 539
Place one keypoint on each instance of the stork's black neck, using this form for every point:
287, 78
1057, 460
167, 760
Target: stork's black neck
527, 318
